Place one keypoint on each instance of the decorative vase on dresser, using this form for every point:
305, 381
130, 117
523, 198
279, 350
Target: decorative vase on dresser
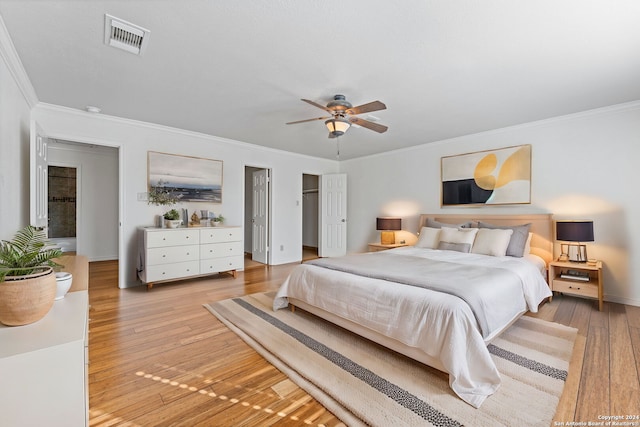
180, 253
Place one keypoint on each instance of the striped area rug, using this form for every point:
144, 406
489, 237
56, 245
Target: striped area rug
363, 383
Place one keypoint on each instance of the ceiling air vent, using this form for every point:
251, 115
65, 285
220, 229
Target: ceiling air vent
125, 35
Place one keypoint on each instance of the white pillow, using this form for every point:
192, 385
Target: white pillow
429, 238
492, 242
458, 235
527, 245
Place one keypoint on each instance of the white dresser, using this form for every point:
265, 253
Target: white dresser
43, 367
179, 253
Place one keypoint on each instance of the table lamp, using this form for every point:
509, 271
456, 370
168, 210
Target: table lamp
387, 227
574, 231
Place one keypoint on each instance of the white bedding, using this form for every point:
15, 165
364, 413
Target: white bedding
440, 324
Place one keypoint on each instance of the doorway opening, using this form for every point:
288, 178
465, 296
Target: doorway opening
310, 217
62, 206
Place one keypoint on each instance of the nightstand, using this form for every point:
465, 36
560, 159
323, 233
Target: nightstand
376, 247
561, 280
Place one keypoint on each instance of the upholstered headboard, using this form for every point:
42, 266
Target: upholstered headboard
541, 227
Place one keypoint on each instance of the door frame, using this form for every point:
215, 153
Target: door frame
121, 156
248, 196
317, 213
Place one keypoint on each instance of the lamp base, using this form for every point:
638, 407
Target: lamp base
577, 253
387, 238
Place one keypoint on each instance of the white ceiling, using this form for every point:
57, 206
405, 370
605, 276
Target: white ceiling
237, 69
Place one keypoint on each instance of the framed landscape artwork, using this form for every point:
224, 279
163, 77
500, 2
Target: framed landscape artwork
193, 178
493, 177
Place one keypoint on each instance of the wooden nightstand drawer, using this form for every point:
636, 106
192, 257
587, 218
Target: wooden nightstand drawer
576, 287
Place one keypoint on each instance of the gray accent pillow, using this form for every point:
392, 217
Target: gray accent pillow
435, 224
458, 247
518, 238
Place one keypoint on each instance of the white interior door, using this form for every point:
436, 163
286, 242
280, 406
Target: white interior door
332, 240
38, 175
260, 216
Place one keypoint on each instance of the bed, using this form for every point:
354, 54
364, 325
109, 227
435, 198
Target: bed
434, 302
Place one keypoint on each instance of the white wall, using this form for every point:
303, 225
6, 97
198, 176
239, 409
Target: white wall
584, 166
136, 138
97, 211
14, 152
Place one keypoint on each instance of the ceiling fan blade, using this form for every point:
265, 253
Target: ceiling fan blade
367, 108
308, 120
315, 104
369, 125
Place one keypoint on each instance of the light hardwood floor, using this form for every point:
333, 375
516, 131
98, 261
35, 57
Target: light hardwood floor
158, 358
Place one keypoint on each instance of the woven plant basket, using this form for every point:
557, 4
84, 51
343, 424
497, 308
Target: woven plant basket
27, 299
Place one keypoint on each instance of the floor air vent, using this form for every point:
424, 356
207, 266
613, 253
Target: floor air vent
125, 35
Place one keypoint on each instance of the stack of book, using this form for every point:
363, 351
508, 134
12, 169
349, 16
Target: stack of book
575, 275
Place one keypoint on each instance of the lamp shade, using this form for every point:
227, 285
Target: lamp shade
388, 223
337, 126
574, 231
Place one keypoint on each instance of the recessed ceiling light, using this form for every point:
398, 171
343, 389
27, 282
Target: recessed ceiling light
92, 109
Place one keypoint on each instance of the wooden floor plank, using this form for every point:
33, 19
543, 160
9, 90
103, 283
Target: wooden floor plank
594, 392
625, 388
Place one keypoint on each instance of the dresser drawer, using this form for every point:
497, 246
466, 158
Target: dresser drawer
157, 239
222, 234
217, 250
576, 287
215, 265
172, 254
172, 271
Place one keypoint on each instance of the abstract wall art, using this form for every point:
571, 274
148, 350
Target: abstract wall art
492, 177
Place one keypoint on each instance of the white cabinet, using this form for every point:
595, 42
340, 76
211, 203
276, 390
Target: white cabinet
179, 253
43, 367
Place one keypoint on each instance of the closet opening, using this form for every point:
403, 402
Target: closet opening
310, 219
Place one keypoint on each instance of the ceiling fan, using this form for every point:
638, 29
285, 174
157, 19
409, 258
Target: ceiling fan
342, 115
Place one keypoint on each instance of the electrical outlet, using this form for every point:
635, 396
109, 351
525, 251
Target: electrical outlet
282, 247
143, 197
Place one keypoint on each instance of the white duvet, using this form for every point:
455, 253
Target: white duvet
441, 325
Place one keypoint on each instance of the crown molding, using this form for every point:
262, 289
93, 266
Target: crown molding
12, 60
610, 109
162, 128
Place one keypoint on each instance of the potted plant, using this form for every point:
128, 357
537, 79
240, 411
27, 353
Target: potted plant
27, 281
159, 195
172, 218
217, 220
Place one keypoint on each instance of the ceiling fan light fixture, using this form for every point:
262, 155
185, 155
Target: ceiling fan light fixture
337, 126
